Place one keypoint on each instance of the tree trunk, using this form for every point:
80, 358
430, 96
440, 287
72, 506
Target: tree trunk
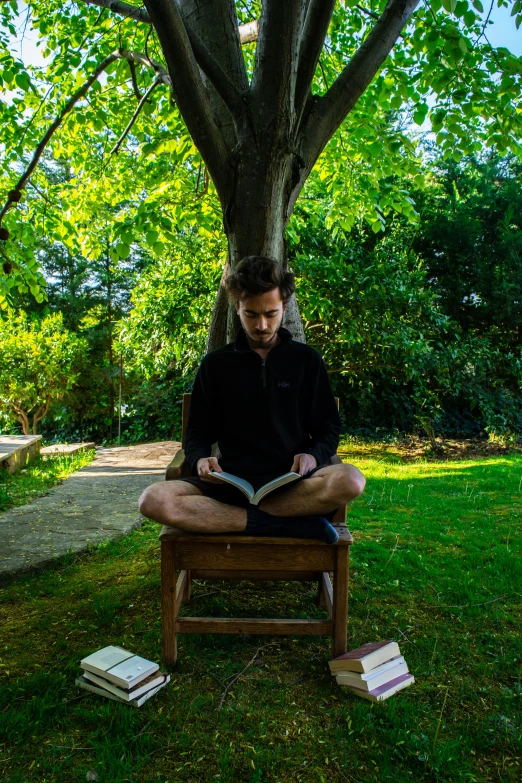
108, 282
40, 414
23, 419
256, 213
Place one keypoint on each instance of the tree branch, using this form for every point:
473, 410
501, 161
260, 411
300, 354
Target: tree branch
161, 77
326, 113
215, 22
314, 32
275, 67
22, 418
213, 32
225, 88
40, 414
123, 9
204, 58
188, 87
135, 87
134, 118
247, 32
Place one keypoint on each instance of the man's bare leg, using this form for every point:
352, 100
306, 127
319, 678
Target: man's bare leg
327, 489
184, 506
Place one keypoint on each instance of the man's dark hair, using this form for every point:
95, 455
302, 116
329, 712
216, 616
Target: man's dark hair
256, 275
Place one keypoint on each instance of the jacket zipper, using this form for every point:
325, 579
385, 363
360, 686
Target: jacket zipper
263, 373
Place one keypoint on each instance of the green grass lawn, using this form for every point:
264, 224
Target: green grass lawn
436, 565
38, 477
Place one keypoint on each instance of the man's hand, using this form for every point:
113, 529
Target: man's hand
303, 463
205, 465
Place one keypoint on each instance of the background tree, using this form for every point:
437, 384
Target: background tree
38, 365
260, 119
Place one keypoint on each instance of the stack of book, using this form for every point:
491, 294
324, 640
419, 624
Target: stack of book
374, 671
120, 675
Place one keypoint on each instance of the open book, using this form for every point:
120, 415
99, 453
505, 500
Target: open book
247, 488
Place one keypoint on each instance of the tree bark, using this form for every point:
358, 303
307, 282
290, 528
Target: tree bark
256, 216
22, 418
40, 414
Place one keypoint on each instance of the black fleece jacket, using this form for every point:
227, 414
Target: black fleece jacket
262, 413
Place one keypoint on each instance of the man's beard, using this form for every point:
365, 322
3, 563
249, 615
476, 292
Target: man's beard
258, 343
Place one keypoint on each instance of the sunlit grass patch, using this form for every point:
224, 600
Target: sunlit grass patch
38, 477
436, 565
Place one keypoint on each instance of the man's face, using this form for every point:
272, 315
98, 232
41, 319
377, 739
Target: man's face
261, 318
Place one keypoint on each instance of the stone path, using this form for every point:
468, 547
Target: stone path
97, 503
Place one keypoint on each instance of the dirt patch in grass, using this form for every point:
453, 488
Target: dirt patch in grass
411, 448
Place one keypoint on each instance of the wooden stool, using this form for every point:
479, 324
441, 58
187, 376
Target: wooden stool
186, 556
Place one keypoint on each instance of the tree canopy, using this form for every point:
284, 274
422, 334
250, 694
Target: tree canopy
210, 114
39, 363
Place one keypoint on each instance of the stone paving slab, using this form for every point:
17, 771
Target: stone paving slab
67, 448
96, 504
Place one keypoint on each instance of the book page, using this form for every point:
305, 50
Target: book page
280, 481
243, 485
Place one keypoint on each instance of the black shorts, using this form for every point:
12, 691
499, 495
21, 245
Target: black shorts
232, 496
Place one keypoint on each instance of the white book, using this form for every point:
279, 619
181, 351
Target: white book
247, 488
372, 682
82, 682
385, 691
371, 672
119, 666
128, 695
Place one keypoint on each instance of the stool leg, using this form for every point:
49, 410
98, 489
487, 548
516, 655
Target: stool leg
321, 600
188, 587
168, 603
340, 601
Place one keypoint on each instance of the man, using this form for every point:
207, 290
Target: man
266, 401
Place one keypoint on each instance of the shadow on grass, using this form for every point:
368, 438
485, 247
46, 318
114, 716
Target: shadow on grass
428, 565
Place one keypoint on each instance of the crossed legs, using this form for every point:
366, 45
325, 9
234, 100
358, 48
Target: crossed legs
184, 506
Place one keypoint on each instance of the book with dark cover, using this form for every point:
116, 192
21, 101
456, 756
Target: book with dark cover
366, 657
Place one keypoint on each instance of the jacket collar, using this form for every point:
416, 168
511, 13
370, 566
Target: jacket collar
241, 342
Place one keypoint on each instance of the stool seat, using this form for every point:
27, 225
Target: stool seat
345, 537
186, 556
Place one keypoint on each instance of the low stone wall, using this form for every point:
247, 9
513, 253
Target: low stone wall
67, 448
17, 450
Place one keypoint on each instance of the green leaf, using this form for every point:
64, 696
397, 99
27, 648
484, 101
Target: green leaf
22, 80
122, 249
